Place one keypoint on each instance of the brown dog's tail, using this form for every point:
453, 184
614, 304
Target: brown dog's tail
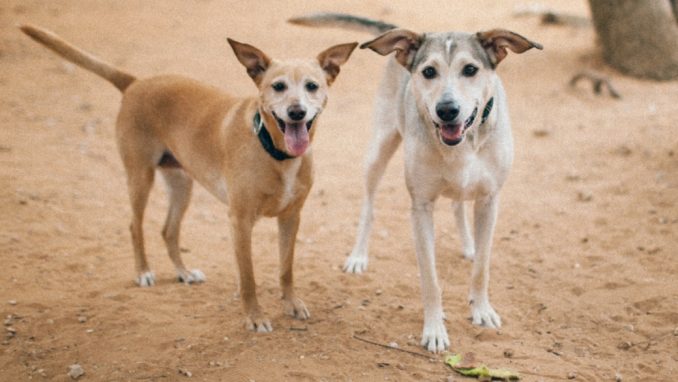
117, 77
343, 21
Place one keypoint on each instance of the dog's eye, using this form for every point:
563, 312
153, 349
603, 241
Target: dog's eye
311, 86
429, 72
469, 70
279, 86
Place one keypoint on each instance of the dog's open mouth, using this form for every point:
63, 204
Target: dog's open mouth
450, 134
296, 135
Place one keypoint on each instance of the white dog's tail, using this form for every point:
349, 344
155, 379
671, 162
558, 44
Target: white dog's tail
343, 21
117, 77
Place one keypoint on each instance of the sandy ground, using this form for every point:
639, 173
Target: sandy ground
584, 265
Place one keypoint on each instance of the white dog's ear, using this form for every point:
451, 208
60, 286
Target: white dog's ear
332, 58
252, 58
405, 43
496, 41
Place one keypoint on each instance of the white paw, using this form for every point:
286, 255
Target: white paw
259, 324
146, 279
194, 276
434, 337
296, 308
469, 253
355, 264
484, 315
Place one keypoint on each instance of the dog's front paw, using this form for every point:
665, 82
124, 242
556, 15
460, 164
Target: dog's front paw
146, 279
355, 264
469, 253
194, 276
484, 315
434, 338
296, 308
256, 322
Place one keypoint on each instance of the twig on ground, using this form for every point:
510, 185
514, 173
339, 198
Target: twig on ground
393, 348
598, 81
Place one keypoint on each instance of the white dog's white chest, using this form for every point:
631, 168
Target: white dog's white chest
467, 178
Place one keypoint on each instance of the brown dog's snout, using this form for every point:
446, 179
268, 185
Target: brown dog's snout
296, 112
447, 110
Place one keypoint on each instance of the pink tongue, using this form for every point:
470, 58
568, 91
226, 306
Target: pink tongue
451, 132
296, 139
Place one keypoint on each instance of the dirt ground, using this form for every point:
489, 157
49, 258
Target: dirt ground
584, 262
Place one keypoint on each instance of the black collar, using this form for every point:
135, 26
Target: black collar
266, 141
486, 113
487, 110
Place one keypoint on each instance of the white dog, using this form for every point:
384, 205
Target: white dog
442, 97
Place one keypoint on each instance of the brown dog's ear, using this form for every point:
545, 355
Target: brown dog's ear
252, 58
332, 58
496, 41
405, 43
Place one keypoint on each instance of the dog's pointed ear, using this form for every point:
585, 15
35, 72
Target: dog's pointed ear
404, 42
255, 61
496, 41
332, 58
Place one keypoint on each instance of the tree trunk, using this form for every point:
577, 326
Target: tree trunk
640, 38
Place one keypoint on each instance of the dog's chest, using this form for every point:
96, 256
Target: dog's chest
467, 177
286, 190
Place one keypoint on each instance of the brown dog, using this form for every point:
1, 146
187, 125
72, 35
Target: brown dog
251, 153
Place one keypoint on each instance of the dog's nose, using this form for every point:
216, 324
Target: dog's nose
447, 111
296, 112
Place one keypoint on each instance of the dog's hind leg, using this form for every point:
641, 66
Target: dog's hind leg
179, 186
468, 246
485, 216
139, 183
384, 143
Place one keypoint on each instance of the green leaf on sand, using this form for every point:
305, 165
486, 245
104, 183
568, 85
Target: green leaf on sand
464, 367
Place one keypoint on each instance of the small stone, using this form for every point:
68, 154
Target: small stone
82, 319
9, 320
185, 373
89, 331
75, 371
675, 332
11, 332
624, 345
584, 196
540, 133
617, 377
508, 353
12, 302
571, 375
623, 151
379, 292
393, 345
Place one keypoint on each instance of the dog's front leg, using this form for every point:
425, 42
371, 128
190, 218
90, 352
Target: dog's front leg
434, 336
288, 227
242, 240
485, 211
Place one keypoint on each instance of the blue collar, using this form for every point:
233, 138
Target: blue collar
266, 141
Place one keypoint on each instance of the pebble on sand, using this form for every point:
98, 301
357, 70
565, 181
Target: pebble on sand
75, 371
